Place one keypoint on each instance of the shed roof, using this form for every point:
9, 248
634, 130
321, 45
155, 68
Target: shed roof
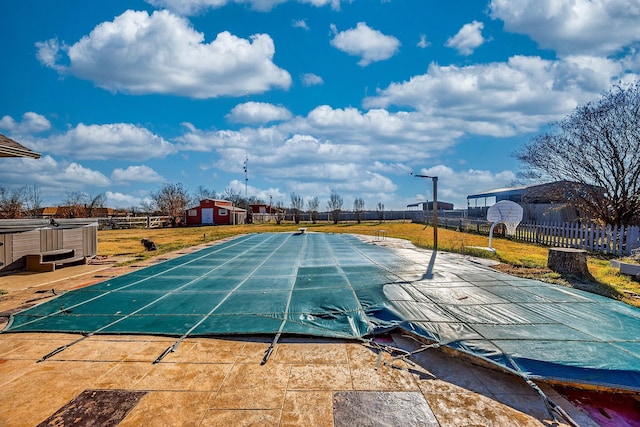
10, 148
550, 192
220, 203
498, 191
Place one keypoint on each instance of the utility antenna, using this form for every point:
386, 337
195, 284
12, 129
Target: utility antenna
246, 174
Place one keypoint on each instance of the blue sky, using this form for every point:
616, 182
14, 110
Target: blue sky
319, 95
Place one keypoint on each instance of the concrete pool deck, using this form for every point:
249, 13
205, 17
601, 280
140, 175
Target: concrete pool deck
213, 381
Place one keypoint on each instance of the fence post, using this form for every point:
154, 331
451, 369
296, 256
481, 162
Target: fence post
635, 239
559, 234
621, 235
581, 236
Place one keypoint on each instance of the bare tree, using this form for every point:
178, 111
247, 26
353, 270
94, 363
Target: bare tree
73, 205
32, 199
598, 147
297, 206
279, 212
313, 205
94, 203
11, 203
234, 197
171, 200
380, 211
358, 207
146, 206
334, 206
203, 193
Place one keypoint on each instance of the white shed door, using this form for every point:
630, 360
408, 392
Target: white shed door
207, 215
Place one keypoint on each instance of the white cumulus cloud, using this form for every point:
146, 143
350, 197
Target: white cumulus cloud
369, 44
572, 27
194, 7
116, 199
258, 113
310, 79
140, 173
52, 178
76, 173
503, 98
161, 53
31, 123
300, 23
111, 141
422, 43
467, 39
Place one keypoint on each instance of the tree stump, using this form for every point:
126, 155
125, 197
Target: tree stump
568, 261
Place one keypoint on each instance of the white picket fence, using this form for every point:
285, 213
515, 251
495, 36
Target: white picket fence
617, 241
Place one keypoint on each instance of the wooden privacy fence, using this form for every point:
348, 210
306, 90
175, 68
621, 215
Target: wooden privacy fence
606, 239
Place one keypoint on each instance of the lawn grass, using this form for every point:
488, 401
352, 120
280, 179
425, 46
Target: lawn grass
517, 258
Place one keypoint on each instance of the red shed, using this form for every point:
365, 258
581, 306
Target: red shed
215, 212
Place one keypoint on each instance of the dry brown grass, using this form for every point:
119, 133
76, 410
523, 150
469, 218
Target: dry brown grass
520, 259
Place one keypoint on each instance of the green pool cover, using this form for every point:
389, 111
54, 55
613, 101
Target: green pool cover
336, 285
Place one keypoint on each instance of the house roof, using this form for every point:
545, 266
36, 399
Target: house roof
49, 210
497, 191
10, 148
550, 192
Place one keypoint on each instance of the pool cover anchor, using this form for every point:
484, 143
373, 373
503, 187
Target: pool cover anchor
170, 349
391, 350
405, 354
551, 406
62, 348
269, 350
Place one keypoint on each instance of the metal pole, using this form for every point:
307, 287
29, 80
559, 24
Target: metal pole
434, 179
435, 211
246, 178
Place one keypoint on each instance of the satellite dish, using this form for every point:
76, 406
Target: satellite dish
507, 212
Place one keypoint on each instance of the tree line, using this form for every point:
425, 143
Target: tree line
26, 202
171, 200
